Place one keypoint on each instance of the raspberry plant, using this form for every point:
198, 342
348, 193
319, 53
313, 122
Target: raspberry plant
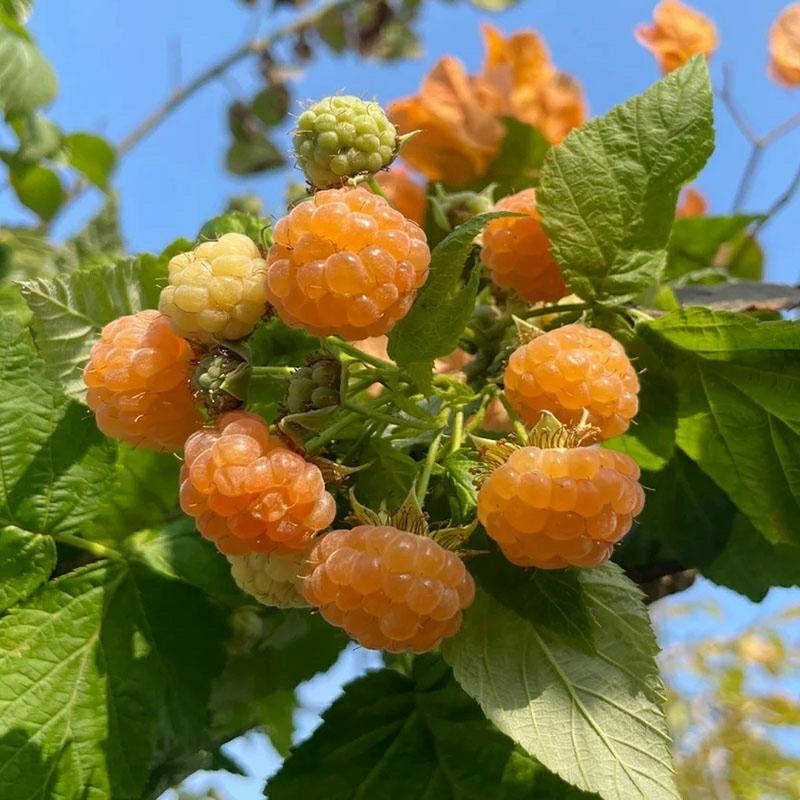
204, 504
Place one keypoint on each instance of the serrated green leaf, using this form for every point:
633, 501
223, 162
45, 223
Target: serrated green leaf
695, 242
26, 561
739, 408
19, 10
253, 156
69, 311
595, 719
235, 222
56, 466
178, 551
271, 105
91, 155
38, 188
751, 565
100, 668
98, 243
444, 304
28, 80
145, 492
389, 477
608, 191
332, 29
39, 138
394, 737
458, 483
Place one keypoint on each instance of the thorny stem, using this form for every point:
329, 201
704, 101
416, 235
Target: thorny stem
324, 436
95, 548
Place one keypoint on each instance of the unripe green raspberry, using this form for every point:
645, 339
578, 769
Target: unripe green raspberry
313, 387
341, 137
216, 291
214, 378
272, 579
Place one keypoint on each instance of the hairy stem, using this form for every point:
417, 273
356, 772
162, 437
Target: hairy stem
427, 469
95, 548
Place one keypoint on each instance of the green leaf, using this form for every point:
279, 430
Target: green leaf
751, 565
395, 737
332, 29
56, 466
145, 492
26, 561
70, 310
595, 719
445, 303
739, 408
389, 477
249, 157
236, 222
519, 161
740, 296
28, 79
101, 667
25, 253
178, 551
38, 188
39, 138
271, 105
98, 243
92, 156
687, 519
458, 483
19, 10
608, 191
695, 242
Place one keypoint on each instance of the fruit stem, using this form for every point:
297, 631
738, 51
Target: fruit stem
276, 371
519, 428
427, 469
376, 188
360, 355
457, 435
95, 548
325, 435
555, 309
387, 418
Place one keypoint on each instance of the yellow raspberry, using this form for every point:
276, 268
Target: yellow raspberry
346, 263
274, 580
138, 383
517, 252
570, 369
216, 291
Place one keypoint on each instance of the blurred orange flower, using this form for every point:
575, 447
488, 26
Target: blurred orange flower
404, 193
678, 33
693, 203
784, 47
536, 93
459, 119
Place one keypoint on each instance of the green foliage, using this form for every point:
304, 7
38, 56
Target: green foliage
423, 727
519, 161
444, 304
602, 710
389, 477
114, 677
257, 228
69, 311
607, 194
738, 412
38, 188
28, 79
26, 561
92, 156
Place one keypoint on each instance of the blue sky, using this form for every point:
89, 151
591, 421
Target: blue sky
116, 60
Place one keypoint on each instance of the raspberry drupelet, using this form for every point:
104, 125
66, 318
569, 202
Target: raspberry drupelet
388, 589
346, 263
274, 580
249, 492
138, 381
216, 291
570, 369
552, 508
517, 252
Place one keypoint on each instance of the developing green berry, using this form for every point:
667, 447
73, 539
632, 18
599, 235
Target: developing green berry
213, 376
341, 137
313, 387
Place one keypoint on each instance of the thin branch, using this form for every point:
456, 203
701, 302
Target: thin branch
783, 200
726, 95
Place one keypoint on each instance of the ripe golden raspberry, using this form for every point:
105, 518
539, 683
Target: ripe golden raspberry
388, 589
517, 252
216, 291
345, 262
272, 579
404, 193
138, 383
570, 369
552, 508
248, 492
